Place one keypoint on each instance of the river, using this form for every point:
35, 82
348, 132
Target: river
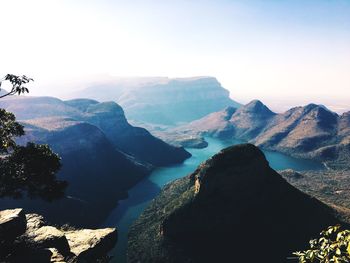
141, 194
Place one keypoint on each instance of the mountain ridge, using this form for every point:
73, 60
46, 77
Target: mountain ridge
310, 131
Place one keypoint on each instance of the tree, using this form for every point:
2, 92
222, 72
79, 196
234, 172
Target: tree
332, 246
29, 169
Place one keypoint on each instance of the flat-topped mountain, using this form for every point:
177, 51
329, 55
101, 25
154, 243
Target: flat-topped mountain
311, 131
230, 205
163, 100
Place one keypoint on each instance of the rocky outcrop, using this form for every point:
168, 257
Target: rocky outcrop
163, 100
231, 205
311, 131
12, 224
87, 243
42, 243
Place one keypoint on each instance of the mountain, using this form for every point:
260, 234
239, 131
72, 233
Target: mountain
163, 100
138, 142
107, 116
102, 155
98, 174
311, 131
232, 208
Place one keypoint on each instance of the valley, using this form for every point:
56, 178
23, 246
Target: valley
118, 173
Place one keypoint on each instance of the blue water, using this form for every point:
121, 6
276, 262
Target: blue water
141, 194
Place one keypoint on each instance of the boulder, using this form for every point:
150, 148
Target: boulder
49, 237
88, 243
12, 223
34, 222
28, 238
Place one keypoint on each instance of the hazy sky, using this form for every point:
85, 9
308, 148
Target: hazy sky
277, 51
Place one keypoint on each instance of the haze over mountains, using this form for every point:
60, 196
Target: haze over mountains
163, 100
311, 131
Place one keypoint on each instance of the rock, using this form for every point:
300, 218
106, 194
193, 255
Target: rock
88, 243
56, 256
49, 237
43, 243
290, 174
12, 223
34, 222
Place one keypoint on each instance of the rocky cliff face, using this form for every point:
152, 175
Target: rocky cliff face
163, 100
233, 208
311, 131
28, 238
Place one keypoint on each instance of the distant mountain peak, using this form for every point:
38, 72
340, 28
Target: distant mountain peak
256, 106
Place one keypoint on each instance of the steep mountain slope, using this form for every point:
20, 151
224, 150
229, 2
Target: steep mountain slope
249, 120
163, 100
233, 208
302, 128
138, 142
102, 154
107, 116
98, 175
311, 131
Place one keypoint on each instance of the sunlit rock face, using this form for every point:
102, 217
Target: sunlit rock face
34, 240
163, 100
232, 203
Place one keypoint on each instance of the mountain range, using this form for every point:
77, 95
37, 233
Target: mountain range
102, 154
162, 100
311, 131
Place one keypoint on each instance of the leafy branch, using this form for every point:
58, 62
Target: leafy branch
17, 83
332, 247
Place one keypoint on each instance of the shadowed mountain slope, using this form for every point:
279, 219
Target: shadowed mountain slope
233, 208
102, 154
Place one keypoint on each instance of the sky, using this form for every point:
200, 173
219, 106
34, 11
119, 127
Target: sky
284, 53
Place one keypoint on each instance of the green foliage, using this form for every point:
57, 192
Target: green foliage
17, 83
27, 169
332, 246
9, 129
31, 169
